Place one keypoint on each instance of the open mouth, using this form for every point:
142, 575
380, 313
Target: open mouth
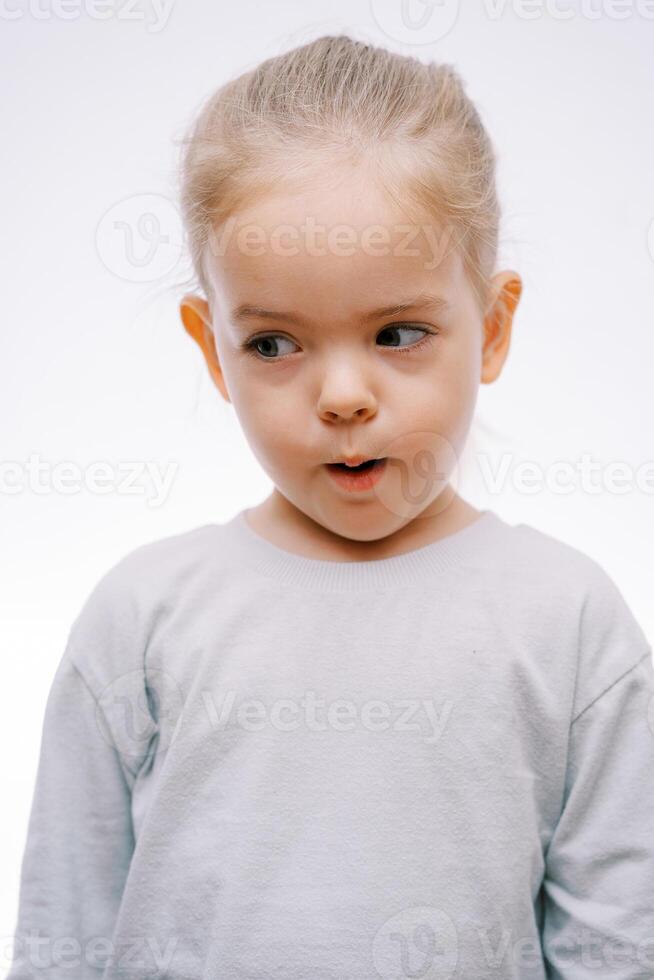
361, 468
361, 477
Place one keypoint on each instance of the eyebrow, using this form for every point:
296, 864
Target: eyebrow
425, 300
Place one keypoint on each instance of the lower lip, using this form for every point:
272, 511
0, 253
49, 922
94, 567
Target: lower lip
357, 480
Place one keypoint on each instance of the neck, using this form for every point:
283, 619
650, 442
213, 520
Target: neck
283, 524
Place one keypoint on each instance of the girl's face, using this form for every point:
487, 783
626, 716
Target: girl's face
319, 371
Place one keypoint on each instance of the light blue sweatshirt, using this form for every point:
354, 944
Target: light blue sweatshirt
260, 766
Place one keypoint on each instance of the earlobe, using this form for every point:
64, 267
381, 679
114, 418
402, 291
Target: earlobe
196, 318
498, 323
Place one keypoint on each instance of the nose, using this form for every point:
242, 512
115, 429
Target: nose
345, 393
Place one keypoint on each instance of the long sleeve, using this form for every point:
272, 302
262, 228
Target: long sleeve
79, 839
599, 879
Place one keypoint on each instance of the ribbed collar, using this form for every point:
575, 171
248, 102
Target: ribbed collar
319, 575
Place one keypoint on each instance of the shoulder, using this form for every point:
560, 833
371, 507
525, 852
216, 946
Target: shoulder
611, 641
147, 573
536, 557
119, 614
156, 563
527, 549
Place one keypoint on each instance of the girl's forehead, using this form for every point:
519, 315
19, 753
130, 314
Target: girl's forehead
375, 256
344, 238
354, 290
357, 202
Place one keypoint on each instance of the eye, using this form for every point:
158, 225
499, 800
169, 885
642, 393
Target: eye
267, 346
270, 343
394, 329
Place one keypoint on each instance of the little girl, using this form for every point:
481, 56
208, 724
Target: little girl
363, 729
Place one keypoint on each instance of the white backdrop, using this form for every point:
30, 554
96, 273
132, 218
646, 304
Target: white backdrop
97, 368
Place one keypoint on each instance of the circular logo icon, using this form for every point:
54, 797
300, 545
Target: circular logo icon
417, 942
132, 709
420, 465
415, 21
140, 239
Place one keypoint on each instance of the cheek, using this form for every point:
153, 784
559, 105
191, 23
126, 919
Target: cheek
460, 391
448, 386
270, 425
442, 399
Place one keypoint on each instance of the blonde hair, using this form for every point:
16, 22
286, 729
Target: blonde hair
336, 99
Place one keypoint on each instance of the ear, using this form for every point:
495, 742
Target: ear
196, 317
506, 292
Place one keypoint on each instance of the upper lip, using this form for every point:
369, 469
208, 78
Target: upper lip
352, 460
